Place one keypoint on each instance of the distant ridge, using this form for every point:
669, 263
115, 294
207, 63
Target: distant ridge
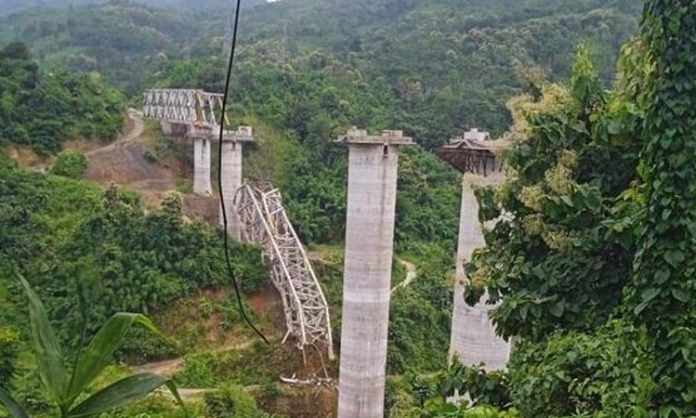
13, 6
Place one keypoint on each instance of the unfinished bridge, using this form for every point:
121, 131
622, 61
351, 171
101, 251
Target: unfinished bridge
255, 212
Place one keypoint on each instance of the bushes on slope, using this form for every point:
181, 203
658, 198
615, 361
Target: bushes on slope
69, 164
41, 109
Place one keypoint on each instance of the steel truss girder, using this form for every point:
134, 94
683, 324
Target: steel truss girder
265, 223
184, 105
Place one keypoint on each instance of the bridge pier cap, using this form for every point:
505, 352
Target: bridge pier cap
241, 134
387, 137
372, 180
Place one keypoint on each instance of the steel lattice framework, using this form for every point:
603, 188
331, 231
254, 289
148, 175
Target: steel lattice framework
472, 155
184, 105
265, 223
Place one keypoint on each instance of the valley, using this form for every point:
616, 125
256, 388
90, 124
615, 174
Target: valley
572, 242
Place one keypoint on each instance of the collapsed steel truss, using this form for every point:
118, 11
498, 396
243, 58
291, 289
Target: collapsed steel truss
264, 222
184, 105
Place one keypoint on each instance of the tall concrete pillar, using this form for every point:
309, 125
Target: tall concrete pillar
231, 179
473, 338
372, 178
201, 166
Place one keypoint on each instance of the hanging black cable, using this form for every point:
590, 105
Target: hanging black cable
219, 172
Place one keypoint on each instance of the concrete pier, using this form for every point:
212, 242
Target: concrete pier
473, 338
201, 166
372, 179
231, 171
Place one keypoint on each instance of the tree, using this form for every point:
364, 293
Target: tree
69, 164
663, 290
67, 387
553, 262
41, 109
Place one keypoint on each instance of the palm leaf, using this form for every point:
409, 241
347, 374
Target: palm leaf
121, 393
47, 351
12, 406
101, 349
172, 388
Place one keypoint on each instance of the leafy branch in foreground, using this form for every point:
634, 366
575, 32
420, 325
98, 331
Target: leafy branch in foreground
67, 387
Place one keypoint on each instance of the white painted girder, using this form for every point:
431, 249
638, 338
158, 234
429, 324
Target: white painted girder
265, 223
183, 105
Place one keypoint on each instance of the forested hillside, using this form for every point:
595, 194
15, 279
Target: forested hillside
459, 56
14, 6
41, 109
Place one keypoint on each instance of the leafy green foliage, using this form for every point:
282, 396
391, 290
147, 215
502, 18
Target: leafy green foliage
606, 374
9, 349
154, 407
481, 387
554, 262
257, 364
572, 199
441, 409
663, 290
104, 248
418, 397
119, 39
41, 109
425, 304
431, 68
69, 164
67, 387
11, 405
231, 401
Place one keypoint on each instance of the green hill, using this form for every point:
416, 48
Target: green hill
14, 6
458, 56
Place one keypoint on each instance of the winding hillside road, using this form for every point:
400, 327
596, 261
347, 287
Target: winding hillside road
125, 161
133, 160
134, 132
411, 274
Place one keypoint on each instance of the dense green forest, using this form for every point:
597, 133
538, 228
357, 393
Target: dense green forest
590, 220
15, 6
41, 109
457, 56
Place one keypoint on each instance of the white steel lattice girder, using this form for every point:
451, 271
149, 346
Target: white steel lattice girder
265, 223
183, 105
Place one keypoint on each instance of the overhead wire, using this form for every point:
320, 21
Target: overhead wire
221, 194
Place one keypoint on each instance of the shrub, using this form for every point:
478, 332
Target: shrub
150, 156
231, 401
606, 374
72, 389
199, 371
69, 164
9, 348
482, 388
441, 409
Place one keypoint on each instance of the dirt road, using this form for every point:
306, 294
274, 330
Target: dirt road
411, 274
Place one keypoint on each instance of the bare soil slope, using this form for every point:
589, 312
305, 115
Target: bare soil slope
125, 162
